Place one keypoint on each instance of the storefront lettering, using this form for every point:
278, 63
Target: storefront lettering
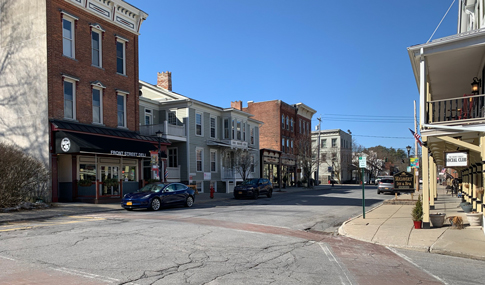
128, 153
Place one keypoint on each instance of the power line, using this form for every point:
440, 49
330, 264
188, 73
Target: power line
382, 137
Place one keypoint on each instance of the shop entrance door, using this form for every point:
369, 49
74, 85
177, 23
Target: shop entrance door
110, 177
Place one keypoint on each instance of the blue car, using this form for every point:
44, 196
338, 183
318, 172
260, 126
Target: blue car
154, 196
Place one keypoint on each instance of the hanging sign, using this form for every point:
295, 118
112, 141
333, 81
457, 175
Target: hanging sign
454, 159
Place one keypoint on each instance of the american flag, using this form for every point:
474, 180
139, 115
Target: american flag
417, 137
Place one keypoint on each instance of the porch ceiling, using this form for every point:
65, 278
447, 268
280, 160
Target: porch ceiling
457, 142
451, 63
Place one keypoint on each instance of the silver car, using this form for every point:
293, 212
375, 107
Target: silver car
385, 185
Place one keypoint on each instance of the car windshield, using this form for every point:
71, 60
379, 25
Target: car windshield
250, 181
152, 188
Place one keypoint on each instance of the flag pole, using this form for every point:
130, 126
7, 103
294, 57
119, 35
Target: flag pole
416, 180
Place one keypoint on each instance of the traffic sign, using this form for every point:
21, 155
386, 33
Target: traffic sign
362, 161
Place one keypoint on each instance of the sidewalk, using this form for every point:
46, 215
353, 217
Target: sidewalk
391, 225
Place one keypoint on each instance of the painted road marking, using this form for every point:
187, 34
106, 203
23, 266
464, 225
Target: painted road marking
332, 258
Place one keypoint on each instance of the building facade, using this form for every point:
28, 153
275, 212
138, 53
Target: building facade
449, 74
335, 161
207, 142
286, 127
71, 81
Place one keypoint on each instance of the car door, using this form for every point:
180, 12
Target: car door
168, 195
263, 186
180, 193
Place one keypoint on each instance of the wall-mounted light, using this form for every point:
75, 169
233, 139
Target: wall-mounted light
475, 85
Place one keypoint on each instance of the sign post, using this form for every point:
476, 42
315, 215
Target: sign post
362, 164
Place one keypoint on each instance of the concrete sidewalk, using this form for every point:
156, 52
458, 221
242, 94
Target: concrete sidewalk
391, 225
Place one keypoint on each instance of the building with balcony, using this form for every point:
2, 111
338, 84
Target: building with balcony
449, 73
335, 161
206, 141
69, 81
284, 135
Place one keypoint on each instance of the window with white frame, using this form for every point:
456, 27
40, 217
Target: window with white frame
213, 156
172, 117
213, 127
68, 43
199, 152
96, 48
198, 124
292, 146
334, 142
252, 163
283, 144
238, 124
287, 123
69, 99
226, 129
291, 124
172, 157
282, 121
233, 126
244, 131
121, 57
252, 135
323, 143
148, 117
121, 109
97, 105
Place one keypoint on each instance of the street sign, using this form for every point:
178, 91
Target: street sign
362, 161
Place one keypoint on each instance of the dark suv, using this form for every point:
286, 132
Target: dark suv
253, 188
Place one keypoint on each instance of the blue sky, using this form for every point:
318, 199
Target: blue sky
345, 59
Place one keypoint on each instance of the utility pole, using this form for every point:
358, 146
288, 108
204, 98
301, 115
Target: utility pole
318, 153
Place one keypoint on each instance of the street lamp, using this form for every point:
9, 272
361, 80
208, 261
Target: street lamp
159, 135
408, 148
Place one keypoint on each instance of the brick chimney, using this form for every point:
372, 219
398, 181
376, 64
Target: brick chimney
164, 80
237, 105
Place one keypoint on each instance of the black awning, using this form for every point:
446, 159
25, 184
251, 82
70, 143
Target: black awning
67, 142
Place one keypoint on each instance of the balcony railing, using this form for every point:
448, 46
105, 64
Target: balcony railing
166, 128
468, 107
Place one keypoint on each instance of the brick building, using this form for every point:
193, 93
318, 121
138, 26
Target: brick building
73, 68
285, 128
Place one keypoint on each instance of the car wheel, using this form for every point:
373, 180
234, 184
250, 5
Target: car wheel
378, 192
270, 193
189, 202
255, 195
155, 204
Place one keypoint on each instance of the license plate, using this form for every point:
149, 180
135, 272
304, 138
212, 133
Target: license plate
386, 188
240, 192
129, 203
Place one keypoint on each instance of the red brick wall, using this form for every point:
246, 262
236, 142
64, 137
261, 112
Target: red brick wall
81, 66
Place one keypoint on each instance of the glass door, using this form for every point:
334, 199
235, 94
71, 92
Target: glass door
111, 181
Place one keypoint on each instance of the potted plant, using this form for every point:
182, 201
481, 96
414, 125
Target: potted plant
417, 213
437, 220
85, 183
466, 206
474, 218
111, 182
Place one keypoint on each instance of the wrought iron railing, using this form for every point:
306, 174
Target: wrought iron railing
468, 107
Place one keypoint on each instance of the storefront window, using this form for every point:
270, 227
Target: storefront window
129, 173
87, 172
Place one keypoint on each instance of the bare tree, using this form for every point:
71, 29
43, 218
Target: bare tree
244, 162
305, 155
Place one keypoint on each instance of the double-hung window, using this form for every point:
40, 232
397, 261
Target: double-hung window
244, 132
97, 105
172, 157
148, 117
68, 35
69, 99
96, 46
121, 109
334, 142
252, 135
238, 130
226, 129
213, 127
282, 121
172, 117
121, 55
291, 125
69, 90
213, 160
287, 123
198, 124
199, 154
323, 143
283, 144
252, 163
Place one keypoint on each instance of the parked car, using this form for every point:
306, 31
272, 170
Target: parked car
253, 188
154, 196
385, 185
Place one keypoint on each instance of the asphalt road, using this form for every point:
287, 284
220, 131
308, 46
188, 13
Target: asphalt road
287, 239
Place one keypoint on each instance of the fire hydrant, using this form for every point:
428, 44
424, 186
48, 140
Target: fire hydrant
212, 192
